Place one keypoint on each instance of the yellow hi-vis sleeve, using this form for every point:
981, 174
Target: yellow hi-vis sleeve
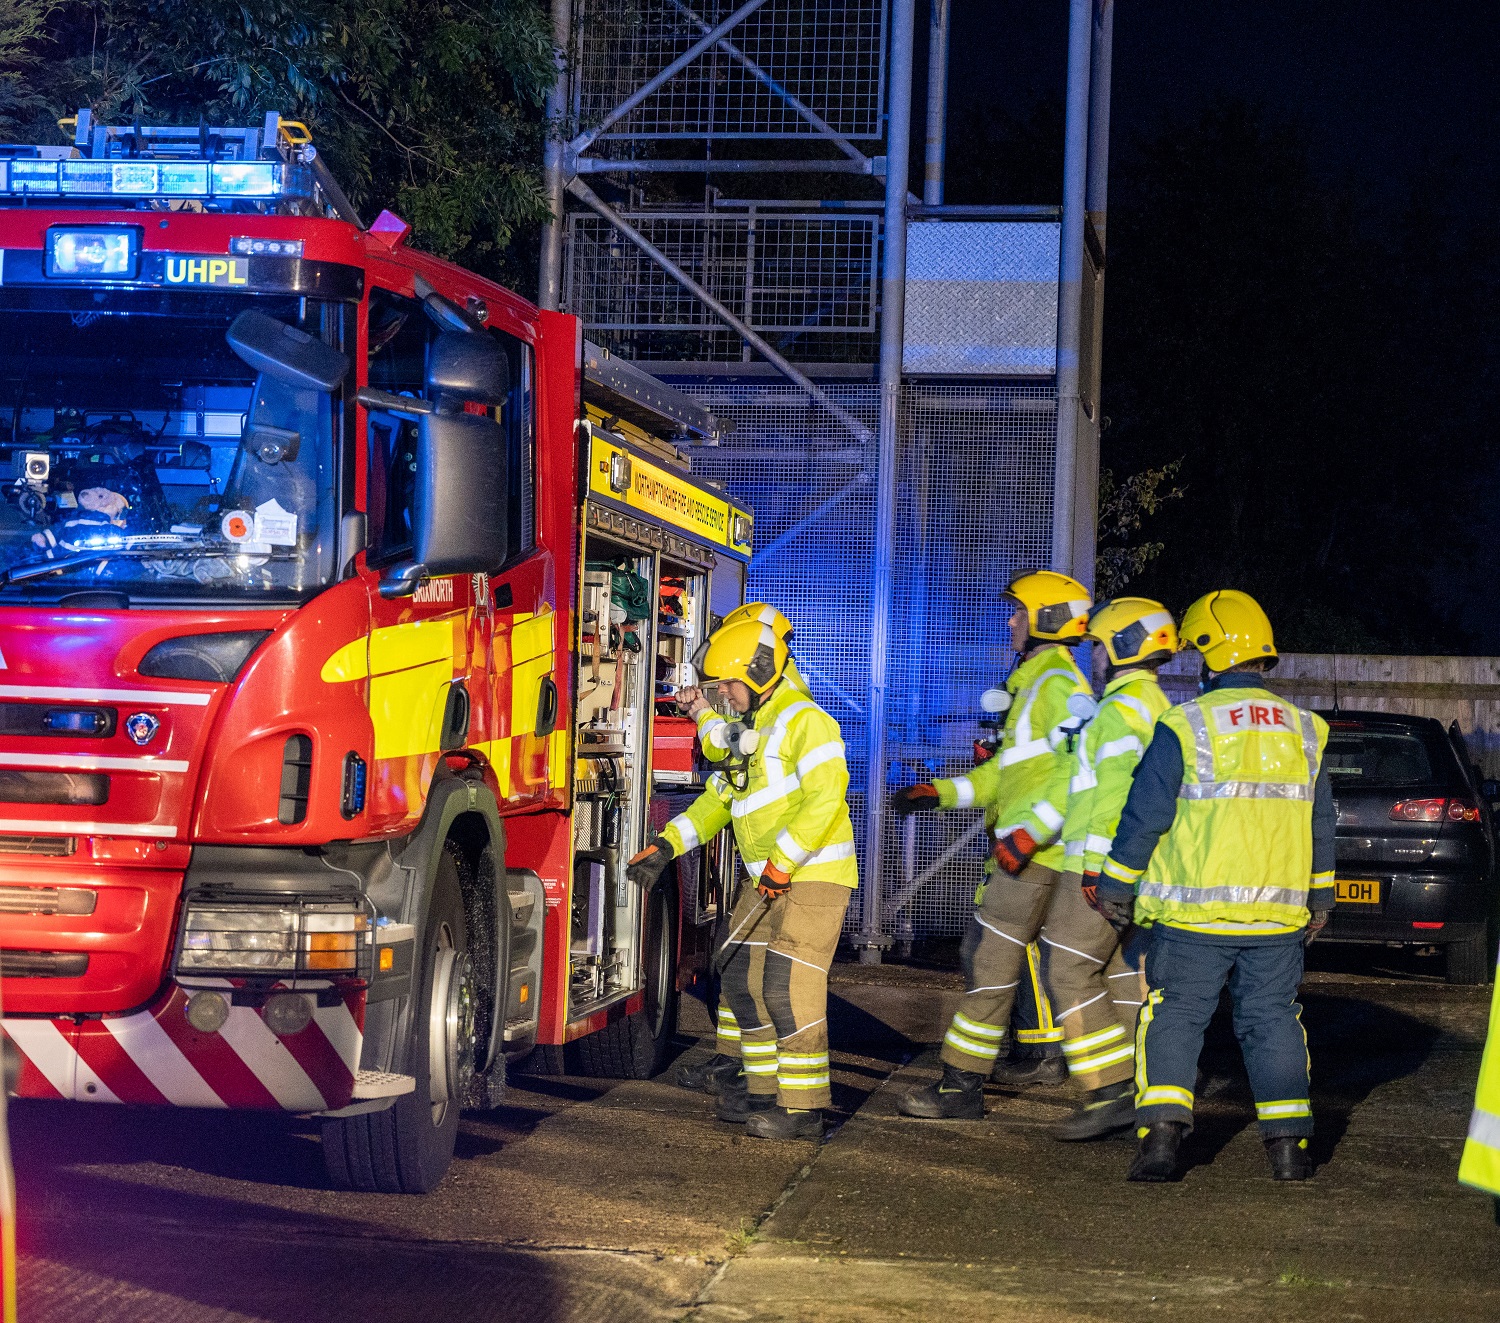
815, 748
702, 820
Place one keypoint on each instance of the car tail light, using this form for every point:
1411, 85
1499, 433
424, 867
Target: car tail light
1418, 810
1434, 810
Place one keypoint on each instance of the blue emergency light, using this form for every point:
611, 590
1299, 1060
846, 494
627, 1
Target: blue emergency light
223, 181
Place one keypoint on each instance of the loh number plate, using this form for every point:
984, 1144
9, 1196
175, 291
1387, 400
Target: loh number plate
1351, 892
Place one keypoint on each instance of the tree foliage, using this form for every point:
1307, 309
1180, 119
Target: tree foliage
429, 107
1125, 505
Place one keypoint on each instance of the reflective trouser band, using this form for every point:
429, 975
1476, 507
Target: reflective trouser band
974, 1039
760, 1058
804, 1072
729, 1027
1279, 1111
1164, 1095
1106, 1047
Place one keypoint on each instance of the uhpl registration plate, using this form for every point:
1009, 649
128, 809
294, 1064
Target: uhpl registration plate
1352, 891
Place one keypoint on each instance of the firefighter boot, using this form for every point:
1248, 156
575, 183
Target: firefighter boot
1102, 1112
779, 1123
709, 1076
736, 1102
1014, 1072
958, 1096
1289, 1159
1156, 1160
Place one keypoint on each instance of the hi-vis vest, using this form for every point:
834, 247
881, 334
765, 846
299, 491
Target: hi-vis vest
791, 810
1108, 750
1480, 1166
1025, 783
1240, 850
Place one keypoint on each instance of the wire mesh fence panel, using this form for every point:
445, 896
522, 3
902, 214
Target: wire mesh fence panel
974, 502
828, 54
806, 282
811, 486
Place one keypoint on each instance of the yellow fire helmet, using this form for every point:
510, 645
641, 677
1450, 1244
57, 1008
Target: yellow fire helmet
1057, 607
748, 651
1228, 627
765, 613
1133, 630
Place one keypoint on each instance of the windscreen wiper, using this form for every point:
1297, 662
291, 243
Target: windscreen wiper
38, 569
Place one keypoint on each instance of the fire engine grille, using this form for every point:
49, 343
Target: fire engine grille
47, 845
44, 964
47, 900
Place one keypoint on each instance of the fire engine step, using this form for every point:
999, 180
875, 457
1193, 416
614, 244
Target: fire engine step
369, 1084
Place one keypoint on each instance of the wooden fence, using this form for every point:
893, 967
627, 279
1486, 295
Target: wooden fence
1461, 689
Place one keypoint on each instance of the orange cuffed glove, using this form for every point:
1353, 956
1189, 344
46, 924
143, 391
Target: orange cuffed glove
921, 798
773, 882
647, 866
1014, 849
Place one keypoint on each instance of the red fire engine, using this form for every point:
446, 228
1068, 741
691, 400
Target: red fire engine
343, 596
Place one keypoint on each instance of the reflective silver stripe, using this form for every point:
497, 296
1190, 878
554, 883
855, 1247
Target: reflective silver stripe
1225, 895
1484, 1128
1099, 844
1072, 849
1202, 742
1244, 790
1048, 816
1309, 745
1083, 780
770, 794
824, 753
1021, 753
687, 831
796, 853
963, 792
1130, 701
1125, 744
831, 854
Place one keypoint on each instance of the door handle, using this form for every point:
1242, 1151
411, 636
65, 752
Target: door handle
546, 706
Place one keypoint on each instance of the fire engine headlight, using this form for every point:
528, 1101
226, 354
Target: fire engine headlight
81, 253
311, 937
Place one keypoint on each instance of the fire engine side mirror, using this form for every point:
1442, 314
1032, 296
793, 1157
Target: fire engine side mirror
468, 367
459, 515
286, 353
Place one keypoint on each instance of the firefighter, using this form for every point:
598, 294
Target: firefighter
1095, 991
1023, 790
1226, 847
724, 1066
782, 787
1480, 1166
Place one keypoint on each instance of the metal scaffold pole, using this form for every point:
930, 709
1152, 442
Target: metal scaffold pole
937, 103
1070, 286
549, 282
892, 315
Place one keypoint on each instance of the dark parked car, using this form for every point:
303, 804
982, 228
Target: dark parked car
1416, 839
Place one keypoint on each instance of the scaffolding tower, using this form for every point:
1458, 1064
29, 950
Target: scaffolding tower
912, 428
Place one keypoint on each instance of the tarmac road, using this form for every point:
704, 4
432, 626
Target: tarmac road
585, 1201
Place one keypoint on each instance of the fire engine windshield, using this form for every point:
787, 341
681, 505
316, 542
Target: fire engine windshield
140, 455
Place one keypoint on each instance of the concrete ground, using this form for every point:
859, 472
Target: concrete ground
585, 1201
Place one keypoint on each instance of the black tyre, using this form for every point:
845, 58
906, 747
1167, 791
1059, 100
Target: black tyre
637, 1047
407, 1148
1469, 961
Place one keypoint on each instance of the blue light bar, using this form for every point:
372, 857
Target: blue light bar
223, 181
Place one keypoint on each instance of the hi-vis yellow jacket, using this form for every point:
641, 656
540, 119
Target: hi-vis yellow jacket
711, 725
1480, 1166
791, 811
1108, 750
1237, 855
1025, 783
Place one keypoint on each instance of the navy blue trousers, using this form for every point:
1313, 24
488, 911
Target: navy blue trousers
1186, 972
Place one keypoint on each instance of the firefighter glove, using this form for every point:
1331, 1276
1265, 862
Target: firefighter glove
1118, 912
1090, 884
1315, 925
773, 882
1014, 849
645, 868
914, 799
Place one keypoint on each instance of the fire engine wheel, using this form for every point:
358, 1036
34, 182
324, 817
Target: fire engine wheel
636, 1047
407, 1148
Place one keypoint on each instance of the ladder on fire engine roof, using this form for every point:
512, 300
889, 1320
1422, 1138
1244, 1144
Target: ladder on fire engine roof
619, 387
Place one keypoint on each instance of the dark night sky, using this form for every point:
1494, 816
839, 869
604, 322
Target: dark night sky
1381, 87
